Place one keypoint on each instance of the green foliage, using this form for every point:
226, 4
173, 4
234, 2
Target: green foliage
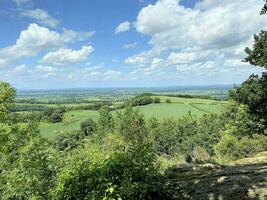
142, 100
253, 94
168, 101
157, 100
57, 115
132, 126
231, 148
130, 174
88, 126
258, 55
174, 137
28, 164
106, 122
7, 95
264, 9
68, 141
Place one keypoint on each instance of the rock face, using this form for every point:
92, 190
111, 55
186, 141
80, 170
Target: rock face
242, 180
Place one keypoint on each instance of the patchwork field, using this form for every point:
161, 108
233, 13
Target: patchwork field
178, 108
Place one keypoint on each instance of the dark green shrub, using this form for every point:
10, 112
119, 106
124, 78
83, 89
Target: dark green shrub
141, 101
56, 117
132, 126
88, 127
168, 101
68, 141
157, 100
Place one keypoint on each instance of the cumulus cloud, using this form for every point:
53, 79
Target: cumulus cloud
70, 36
123, 27
65, 56
40, 16
36, 39
224, 24
130, 45
30, 42
201, 39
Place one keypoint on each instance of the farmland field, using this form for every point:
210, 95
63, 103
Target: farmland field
178, 108
81, 104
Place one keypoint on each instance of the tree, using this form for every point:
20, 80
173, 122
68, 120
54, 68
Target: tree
88, 126
28, 163
253, 94
106, 121
264, 9
157, 100
7, 95
132, 126
168, 101
257, 55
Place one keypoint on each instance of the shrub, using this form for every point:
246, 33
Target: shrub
132, 126
156, 100
168, 101
130, 174
142, 100
68, 141
198, 155
56, 118
230, 148
88, 127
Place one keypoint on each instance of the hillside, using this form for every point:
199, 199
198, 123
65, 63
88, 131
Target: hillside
243, 179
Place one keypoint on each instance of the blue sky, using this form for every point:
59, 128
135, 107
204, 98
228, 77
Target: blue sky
118, 43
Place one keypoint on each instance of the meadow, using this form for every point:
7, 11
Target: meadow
178, 107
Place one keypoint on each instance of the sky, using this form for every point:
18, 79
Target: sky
48, 44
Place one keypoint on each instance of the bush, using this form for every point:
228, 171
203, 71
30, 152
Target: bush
130, 174
142, 100
168, 101
88, 127
230, 148
156, 100
68, 141
56, 118
132, 126
198, 155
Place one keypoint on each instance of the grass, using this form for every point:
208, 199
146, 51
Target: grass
178, 108
71, 122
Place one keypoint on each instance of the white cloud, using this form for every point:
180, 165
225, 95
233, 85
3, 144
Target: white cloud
130, 45
41, 71
41, 16
222, 25
36, 39
67, 56
208, 39
22, 2
123, 27
96, 73
70, 36
111, 74
20, 69
31, 42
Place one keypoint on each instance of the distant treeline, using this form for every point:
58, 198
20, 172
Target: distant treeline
189, 96
59, 101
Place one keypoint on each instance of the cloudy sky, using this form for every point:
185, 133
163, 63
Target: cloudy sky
115, 43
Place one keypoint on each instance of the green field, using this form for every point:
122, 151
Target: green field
178, 108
